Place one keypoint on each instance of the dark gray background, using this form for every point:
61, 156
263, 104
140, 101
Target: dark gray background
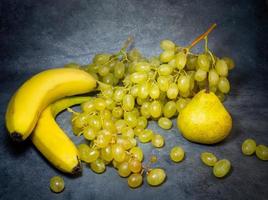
36, 35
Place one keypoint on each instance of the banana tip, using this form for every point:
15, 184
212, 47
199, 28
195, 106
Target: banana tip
16, 137
77, 169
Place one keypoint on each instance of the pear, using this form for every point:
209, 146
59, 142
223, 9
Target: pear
205, 120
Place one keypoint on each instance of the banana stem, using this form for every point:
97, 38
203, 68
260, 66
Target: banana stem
202, 36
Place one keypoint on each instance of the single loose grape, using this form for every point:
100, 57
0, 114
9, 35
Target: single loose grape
134, 180
158, 141
134, 165
262, 152
176, 154
164, 123
123, 169
98, 166
146, 136
156, 177
137, 153
249, 147
221, 168
57, 184
208, 158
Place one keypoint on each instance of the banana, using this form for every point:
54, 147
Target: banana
51, 140
38, 92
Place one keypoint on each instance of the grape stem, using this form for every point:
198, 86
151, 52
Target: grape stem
202, 36
207, 85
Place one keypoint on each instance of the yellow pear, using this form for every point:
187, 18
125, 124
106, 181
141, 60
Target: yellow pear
205, 120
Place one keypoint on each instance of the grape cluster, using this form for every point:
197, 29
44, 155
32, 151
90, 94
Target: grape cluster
134, 89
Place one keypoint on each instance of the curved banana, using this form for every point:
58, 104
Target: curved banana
51, 140
38, 92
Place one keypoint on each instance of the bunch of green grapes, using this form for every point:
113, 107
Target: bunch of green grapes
134, 89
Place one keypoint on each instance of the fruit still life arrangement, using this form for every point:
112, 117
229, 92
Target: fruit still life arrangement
118, 94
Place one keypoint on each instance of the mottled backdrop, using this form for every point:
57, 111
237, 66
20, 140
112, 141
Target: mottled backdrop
37, 35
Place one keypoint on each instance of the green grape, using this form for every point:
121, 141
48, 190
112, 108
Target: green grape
164, 123
80, 120
89, 133
132, 141
106, 153
140, 101
155, 109
119, 153
191, 62
117, 112
134, 54
221, 168
108, 79
145, 110
167, 56
262, 152
200, 75
94, 121
56, 184
130, 119
224, 85
108, 124
134, 90
221, 68
184, 83
158, 141
169, 109
119, 70
138, 77
134, 165
88, 106
123, 169
146, 136
176, 154
110, 104
128, 102
172, 91
203, 62
137, 153
102, 140
249, 147
138, 130
208, 158
136, 112
98, 166
221, 96
93, 154
180, 59
154, 91
191, 74
101, 59
111, 64
99, 104
167, 45
134, 180
165, 70
154, 61
181, 103
213, 77
230, 62
103, 70
156, 177
119, 94
172, 63
83, 150
163, 83
92, 68
120, 125
124, 141
107, 92
128, 132
105, 114
144, 89
142, 122
72, 65
142, 67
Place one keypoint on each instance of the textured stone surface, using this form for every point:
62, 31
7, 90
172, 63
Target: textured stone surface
36, 35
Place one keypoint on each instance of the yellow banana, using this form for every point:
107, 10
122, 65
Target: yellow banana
51, 140
38, 92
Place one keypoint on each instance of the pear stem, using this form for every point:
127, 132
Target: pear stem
202, 36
